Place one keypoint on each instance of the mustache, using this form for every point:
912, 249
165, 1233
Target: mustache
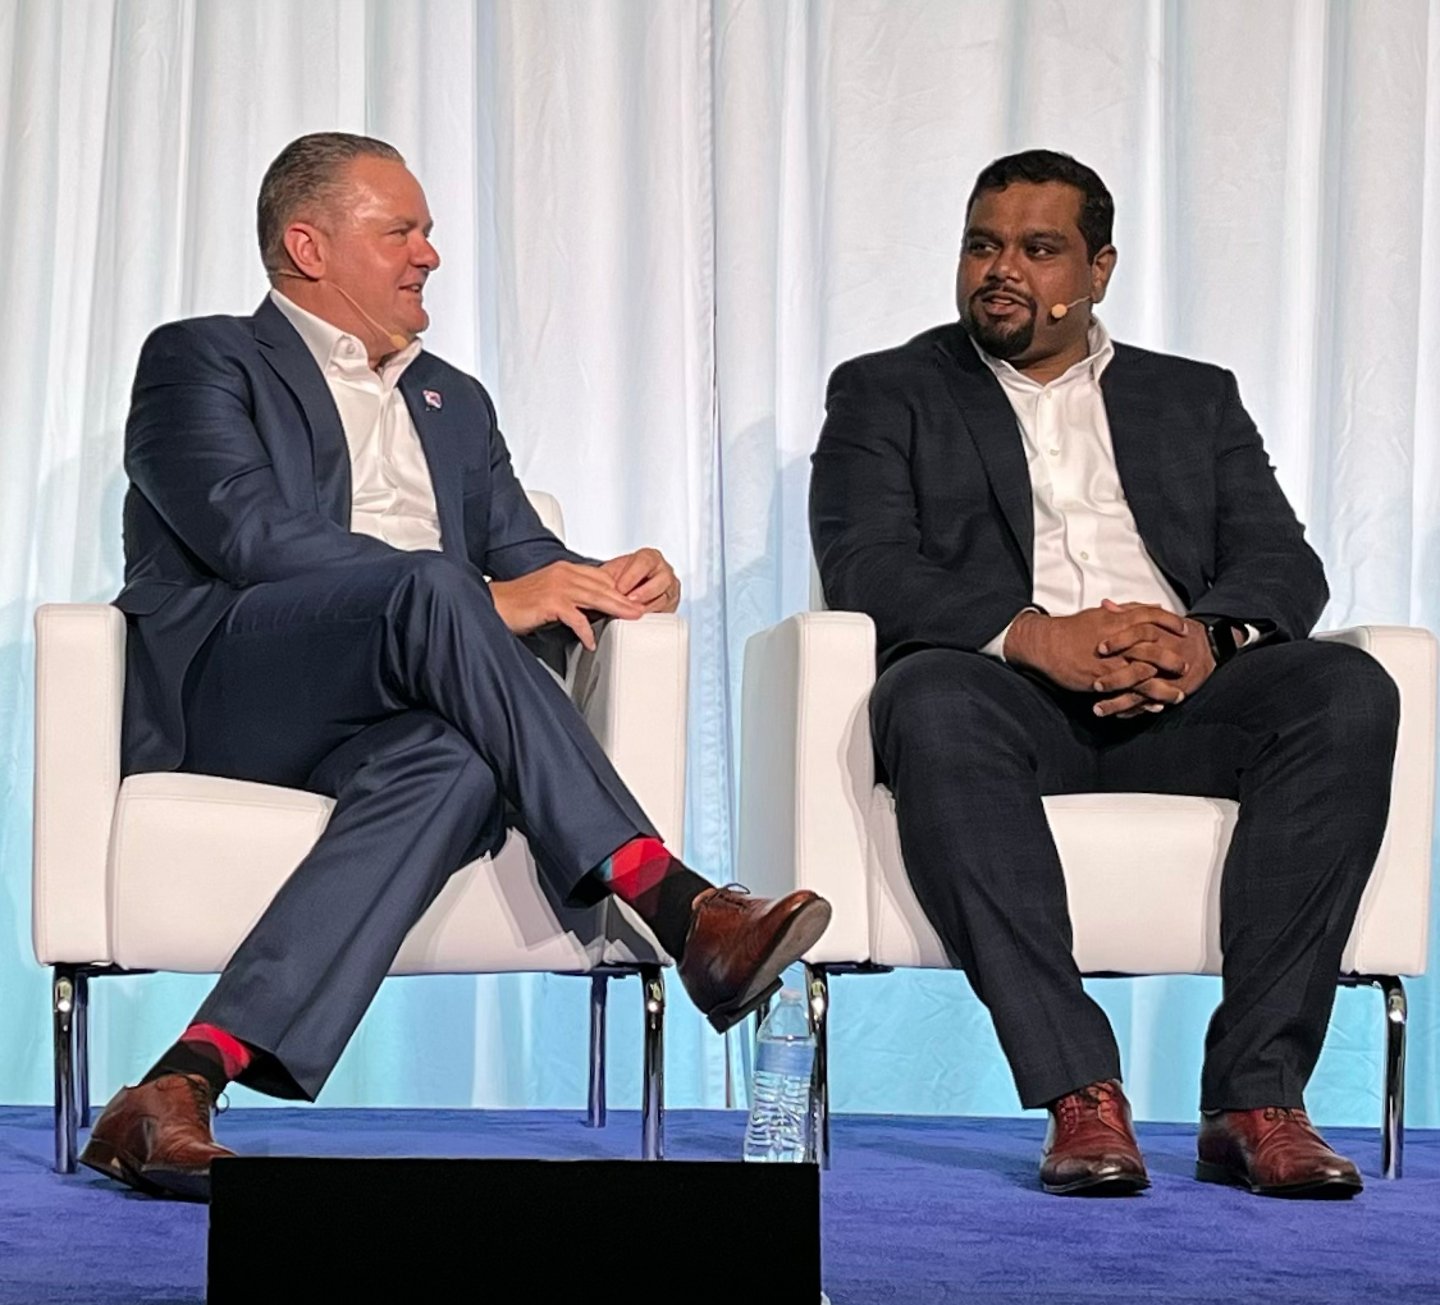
992, 288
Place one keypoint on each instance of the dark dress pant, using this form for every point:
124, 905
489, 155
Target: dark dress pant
1302, 734
396, 689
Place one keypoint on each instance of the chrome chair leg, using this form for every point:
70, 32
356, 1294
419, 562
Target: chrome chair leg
599, 993
82, 1047
652, 1106
1392, 1138
817, 992
745, 1036
63, 997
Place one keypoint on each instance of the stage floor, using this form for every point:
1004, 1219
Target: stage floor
916, 1210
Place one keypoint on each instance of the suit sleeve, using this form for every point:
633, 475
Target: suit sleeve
191, 448
518, 543
1265, 572
865, 527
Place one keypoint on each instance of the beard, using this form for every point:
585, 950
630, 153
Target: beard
1003, 342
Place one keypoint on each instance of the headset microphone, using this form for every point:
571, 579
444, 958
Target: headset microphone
396, 339
1057, 311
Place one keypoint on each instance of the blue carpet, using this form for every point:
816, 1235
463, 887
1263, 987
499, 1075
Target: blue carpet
915, 1211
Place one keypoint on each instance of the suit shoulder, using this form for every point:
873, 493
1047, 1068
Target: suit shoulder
212, 338
445, 370
899, 365
1172, 368
216, 328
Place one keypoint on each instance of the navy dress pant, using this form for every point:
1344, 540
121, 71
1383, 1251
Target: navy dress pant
395, 688
1301, 733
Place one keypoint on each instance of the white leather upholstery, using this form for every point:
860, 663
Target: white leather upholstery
169, 871
1142, 871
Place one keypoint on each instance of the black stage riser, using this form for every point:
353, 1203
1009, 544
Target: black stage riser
534, 1231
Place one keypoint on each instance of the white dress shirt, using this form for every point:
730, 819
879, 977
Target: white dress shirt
1087, 547
392, 495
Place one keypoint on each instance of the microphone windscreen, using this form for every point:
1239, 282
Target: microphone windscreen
1057, 311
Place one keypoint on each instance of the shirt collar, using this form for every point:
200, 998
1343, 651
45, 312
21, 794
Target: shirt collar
1102, 350
337, 352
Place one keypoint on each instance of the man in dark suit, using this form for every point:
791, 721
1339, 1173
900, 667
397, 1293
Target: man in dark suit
1084, 577
330, 569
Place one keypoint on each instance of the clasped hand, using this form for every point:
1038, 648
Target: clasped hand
626, 587
1138, 657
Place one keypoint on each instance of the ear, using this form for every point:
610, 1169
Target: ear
306, 246
1101, 267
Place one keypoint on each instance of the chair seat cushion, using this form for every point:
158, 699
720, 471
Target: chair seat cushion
194, 861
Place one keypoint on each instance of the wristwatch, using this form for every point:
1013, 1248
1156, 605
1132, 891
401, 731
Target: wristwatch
1221, 632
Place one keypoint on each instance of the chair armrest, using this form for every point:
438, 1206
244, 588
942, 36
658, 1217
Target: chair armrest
79, 692
633, 692
1392, 927
807, 773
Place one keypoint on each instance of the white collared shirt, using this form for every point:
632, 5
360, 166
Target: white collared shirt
1087, 547
392, 495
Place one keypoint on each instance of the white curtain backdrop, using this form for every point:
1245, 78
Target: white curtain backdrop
662, 223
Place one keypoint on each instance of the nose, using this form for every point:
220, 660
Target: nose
1002, 266
426, 255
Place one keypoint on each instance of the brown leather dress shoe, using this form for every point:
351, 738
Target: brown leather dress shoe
1090, 1147
738, 945
1274, 1152
156, 1137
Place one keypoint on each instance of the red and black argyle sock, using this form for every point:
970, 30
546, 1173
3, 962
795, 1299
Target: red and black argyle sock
207, 1051
659, 887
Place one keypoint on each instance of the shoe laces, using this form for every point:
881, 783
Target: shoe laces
1092, 1098
1289, 1114
205, 1099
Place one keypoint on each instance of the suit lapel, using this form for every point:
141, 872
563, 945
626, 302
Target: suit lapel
986, 413
286, 353
438, 425
1133, 409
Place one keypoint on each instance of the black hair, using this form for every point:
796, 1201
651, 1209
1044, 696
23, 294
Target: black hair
1097, 209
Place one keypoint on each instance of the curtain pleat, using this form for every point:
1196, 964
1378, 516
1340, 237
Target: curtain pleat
662, 225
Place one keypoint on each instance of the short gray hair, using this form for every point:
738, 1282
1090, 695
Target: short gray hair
307, 172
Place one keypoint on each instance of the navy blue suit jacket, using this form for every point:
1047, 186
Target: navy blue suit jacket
240, 475
922, 514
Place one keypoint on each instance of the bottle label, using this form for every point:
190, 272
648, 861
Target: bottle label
789, 1059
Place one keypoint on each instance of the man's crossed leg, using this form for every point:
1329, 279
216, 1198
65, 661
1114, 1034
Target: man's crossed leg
395, 688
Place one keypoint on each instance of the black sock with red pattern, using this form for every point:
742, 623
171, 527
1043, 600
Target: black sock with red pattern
659, 887
208, 1052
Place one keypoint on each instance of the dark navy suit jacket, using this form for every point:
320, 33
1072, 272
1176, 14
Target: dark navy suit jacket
240, 474
922, 514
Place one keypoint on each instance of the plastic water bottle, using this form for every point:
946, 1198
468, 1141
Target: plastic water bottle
780, 1123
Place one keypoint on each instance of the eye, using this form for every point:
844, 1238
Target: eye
979, 246
1040, 251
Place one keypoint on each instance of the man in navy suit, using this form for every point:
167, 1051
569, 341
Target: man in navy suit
1085, 577
332, 576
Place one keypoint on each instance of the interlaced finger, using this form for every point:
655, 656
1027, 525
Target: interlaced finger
1125, 675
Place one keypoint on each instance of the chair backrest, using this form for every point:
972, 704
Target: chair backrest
79, 689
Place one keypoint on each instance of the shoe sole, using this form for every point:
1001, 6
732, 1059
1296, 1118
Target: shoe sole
182, 1184
105, 1159
798, 936
1111, 1185
1323, 1189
